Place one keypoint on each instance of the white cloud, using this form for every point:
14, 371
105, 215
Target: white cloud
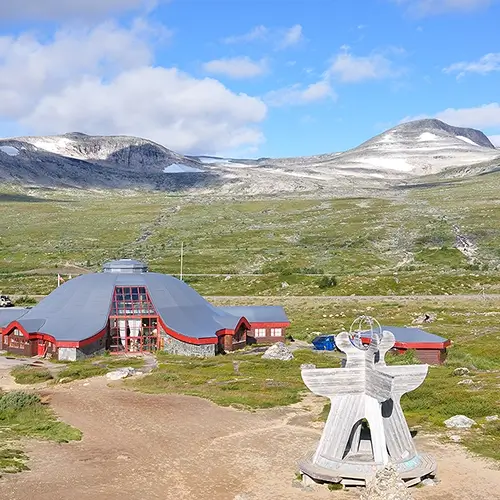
281, 38
258, 33
482, 117
430, 7
495, 140
103, 81
236, 67
484, 65
291, 37
297, 94
62, 9
349, 68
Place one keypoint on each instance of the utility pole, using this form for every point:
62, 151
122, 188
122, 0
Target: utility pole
182, 257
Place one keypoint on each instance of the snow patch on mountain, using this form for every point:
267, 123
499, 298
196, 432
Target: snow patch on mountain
427, 136
9, 150
58, 145
467, 140
399, 164
176, 168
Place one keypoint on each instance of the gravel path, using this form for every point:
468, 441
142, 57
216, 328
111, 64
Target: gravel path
141, 447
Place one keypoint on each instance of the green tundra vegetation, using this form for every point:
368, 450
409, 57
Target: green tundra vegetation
23, 414
397, 243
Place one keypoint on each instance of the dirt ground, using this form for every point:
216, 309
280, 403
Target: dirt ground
141, 447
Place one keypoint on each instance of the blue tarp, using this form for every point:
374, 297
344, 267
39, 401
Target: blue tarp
324, 343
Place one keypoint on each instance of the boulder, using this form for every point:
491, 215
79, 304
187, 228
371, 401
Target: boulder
278, 351
459, 422
386, 484
120, 373
455, 438
461, 372
466, 381
492, 418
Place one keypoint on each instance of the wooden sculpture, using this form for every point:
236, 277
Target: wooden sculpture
366, 428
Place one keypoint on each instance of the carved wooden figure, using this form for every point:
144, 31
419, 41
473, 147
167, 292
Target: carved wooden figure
368, 391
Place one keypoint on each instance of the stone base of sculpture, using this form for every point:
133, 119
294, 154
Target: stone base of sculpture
356, 471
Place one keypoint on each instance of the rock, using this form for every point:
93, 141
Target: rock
424, 318
428, 482
120, 373
278, 351
307, 366
386, 485
492, 418
466, 381
455, 438
284, 284
459, 422
461, 372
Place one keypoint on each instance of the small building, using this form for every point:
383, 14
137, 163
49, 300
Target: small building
127, 309
268, 323
429, 348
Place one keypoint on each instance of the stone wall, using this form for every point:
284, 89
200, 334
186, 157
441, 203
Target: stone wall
75, 353
174, 346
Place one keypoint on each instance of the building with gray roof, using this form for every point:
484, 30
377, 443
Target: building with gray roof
128, 309
428, 347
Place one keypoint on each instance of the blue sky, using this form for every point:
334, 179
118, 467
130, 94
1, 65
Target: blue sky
251, 78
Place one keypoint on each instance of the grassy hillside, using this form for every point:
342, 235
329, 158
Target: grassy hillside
401, 243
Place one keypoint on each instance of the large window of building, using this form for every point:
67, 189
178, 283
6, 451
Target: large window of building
133, 321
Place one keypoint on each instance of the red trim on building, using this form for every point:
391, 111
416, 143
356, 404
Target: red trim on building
12, 326
49, 338
83, 343
270, 324
229, 331
183, 338
415, 345
190, 340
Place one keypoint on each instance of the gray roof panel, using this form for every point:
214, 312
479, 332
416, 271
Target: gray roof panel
410, 335
80, 307
258, 314
10, 314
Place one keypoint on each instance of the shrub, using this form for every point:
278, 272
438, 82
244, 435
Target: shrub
327, 282
18, 400
25, 301
29, 375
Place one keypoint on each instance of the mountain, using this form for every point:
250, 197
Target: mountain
397, 156
80, 160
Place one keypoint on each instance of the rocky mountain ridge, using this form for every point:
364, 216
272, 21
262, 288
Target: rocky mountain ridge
403, 153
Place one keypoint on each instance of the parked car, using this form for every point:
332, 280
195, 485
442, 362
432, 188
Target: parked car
324, 343
5, 301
